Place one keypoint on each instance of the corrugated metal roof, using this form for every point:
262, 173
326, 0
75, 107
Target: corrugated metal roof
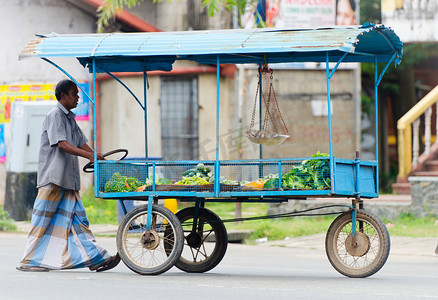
118, 52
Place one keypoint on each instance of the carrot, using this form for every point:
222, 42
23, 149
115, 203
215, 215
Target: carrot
255, 184
140, 188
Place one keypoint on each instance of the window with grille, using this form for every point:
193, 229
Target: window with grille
179, 118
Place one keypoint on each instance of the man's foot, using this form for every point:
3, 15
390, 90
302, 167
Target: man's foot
112, 262
32, 269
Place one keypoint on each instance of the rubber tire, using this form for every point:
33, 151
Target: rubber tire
380, 258
173, 252
221, 240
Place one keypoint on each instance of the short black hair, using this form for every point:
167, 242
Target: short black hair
352, 4
63, 86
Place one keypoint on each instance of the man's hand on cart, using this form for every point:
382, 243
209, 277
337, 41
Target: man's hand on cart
99, 157
90, 153
89, 167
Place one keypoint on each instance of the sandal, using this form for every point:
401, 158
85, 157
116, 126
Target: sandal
112, 262
32, 269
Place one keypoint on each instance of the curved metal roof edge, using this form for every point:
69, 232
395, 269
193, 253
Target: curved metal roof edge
349, 43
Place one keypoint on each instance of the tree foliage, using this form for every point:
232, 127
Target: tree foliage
109, 9
370, 11
237, 7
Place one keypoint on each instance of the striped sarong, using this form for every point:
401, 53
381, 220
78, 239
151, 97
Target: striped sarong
59, 237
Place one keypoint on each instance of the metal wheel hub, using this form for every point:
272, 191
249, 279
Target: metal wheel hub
194, 240
150, 240
358, 245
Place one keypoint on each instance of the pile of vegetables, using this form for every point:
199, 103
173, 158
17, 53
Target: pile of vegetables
202, 175
192, 180
312, 174
201, 171
223, 180
197, 176
158, 180
119, 183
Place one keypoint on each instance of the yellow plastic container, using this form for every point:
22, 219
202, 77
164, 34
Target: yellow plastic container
171, 204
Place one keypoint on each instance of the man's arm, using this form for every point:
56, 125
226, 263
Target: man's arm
88, 149
84, 151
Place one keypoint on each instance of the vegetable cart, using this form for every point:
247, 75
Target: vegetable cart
151, 239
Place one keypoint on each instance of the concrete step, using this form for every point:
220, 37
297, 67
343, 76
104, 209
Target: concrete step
402, 188
425, 174
383, 199
431, 165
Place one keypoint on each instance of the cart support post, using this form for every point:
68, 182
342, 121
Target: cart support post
122, 205
96, 163
195, 217
153, 175
353, 221
216, 162
149, 215
357, 162
217, 105
329, 115
279, 175
377, 80
376, 116
260, 119
260, 114
217, 175
145, 78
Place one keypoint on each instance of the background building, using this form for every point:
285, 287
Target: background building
181, 103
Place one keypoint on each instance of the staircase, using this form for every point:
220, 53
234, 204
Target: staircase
410, 141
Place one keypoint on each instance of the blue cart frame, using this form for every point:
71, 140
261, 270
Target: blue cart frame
143, 52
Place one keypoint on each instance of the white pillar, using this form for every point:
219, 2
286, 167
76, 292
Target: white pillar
415, 142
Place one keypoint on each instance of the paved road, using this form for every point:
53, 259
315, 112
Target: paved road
247, 272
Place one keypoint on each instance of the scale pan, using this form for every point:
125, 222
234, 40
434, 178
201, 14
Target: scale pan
266, 138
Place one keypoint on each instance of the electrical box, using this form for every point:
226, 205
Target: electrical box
27, 118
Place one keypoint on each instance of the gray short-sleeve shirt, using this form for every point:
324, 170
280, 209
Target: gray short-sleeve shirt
55, 165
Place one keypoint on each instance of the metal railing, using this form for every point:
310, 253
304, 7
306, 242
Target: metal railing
409, 137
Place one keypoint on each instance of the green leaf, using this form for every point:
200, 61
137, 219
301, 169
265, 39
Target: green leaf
271, 183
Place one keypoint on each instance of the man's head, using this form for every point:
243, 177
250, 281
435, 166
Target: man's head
66, 93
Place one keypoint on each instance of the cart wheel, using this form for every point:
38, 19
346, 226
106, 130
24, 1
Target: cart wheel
89, 167
363, 255
204, 248
143, 251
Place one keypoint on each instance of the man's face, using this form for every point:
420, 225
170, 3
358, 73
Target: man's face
71, 99
345, 14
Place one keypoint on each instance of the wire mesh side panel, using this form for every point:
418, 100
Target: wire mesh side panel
310, 174
194, 176
276, 175
156, 176
122, 176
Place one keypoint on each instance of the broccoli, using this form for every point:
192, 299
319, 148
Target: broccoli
119, 183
